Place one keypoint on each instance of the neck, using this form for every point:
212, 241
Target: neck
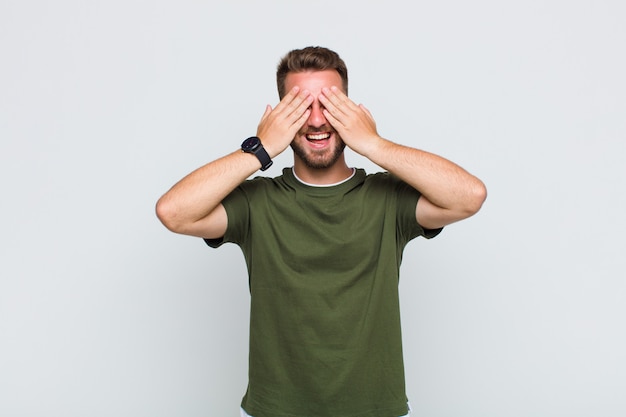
337, 172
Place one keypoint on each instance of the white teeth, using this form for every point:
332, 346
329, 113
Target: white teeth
319, 136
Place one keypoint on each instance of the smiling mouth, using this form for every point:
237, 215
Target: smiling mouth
317, 136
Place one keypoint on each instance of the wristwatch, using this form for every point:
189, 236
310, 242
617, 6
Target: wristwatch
253, 145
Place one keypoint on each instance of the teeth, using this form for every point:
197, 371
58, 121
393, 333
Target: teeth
319, 136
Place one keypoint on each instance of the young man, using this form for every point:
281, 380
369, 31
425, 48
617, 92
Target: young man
323, 243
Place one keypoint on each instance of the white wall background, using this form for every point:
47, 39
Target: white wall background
518, 311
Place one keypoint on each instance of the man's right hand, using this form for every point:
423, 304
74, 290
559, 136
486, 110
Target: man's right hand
279, 126
193, 206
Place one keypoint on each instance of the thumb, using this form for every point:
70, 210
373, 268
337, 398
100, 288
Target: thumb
268, 110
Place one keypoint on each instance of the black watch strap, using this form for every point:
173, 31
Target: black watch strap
254, 146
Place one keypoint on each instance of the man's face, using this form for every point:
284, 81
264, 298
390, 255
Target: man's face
317, 144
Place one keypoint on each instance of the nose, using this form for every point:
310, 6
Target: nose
316, 118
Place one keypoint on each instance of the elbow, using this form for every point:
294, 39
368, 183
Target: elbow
166, 213
476, 197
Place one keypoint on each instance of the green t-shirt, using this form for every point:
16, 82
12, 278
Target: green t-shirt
323, 266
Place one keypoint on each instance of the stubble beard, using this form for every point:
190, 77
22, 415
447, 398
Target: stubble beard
318, 159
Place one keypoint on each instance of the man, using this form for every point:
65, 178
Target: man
323, 243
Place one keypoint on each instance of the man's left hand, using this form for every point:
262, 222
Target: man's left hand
353, 122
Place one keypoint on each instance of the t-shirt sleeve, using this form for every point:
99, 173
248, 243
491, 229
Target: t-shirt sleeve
408, 227
238, 212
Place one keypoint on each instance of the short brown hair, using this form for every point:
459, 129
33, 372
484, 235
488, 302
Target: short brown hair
314, 58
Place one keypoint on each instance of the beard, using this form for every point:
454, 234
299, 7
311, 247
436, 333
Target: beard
318, 159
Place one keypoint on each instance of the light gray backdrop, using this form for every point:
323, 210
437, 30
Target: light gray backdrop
518, 311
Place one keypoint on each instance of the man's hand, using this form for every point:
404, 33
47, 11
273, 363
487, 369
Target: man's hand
353, 122
279, 126
449, 193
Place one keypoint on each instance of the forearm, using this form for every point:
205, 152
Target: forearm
198, 194
442, 182
189, 207
450, 193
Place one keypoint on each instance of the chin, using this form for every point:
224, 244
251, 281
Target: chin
323, 160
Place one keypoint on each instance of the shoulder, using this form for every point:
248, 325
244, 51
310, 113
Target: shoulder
387, 182
261, 183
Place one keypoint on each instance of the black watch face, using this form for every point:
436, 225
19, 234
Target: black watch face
250, 144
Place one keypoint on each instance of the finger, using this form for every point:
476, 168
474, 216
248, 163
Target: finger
302, 120
341, 97
340, 102
288, 98
292, 93
366, 110
326, 99
268, 110
329, 104
334, 122
299, 105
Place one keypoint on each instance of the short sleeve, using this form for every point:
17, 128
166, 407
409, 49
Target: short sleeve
408, 227
238, 211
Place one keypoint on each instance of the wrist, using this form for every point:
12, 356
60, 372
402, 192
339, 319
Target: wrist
254, 146
372, 147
